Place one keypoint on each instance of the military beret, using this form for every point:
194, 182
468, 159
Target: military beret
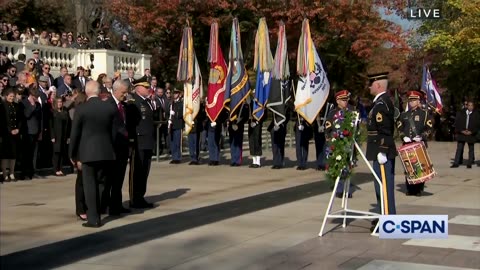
342, 94
377, 77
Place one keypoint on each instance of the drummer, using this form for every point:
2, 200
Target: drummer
414, 125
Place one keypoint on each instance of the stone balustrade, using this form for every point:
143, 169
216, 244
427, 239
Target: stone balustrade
97, 60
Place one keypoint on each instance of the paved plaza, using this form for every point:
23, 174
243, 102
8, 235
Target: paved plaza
239, 218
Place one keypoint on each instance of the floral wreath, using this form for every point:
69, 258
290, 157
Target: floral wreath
340, 147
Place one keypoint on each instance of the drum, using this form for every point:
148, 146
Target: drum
416, 162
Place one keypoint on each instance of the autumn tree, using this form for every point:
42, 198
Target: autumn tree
346, 33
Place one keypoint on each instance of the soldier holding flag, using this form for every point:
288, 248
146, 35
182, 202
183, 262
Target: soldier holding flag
215, 96
311, 94
263, 64
237, 90
278, 99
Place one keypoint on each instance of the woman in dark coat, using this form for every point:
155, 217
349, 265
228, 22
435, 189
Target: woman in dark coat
80, 205
60, 133
12, 137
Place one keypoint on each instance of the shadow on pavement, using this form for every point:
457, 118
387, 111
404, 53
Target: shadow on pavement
83, 247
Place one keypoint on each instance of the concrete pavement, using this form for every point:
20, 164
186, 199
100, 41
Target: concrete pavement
237, 218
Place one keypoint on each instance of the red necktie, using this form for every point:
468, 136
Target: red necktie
122, 114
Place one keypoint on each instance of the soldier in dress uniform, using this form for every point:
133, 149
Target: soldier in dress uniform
255, 138
342, 97
235, 133
140, 126
214, 135
176, 125
277, 135
318, 129
194, 135
380, 143
414, 125
303, 134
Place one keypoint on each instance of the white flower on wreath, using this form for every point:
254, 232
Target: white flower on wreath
333, 139
337, 126
338, 157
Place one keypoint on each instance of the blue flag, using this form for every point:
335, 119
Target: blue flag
262, 91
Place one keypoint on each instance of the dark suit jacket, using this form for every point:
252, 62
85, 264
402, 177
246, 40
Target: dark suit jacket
33, 117
473, 126
58, 82
177, 119
140, 123
76, 83
91, 138
62, 89
120, 134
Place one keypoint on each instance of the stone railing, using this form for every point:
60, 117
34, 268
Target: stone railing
98, 60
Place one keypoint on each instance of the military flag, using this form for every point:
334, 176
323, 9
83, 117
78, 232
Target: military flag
188, 72
263, 63
313, 85
237, 88
280, 86
216, 79
429, 86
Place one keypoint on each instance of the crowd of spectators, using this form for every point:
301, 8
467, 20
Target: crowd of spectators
36, 110
11, 32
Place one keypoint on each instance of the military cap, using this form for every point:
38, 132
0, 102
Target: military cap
414, 94
141, 82
377, 77
342, 94
35, 51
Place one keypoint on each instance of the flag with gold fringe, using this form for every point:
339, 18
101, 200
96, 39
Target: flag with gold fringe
188, 72
280, 87
216, 79
313, 85
237, 88
263, 63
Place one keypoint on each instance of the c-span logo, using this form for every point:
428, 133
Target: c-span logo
413, 226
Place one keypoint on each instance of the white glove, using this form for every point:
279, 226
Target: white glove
417, 138
300, 127
276, 128
407, 139
321, 129
235, 127
213, 124
253, 124
169, 122
382, 158
172, 112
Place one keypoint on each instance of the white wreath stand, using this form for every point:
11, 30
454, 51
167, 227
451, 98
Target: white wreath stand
345, 212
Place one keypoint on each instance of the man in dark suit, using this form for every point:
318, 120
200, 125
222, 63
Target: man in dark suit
91, 148
59, 80
467, 125
130, 80
380, 143
112, 195
176, 125
66, 87
80, 80
33, 117
140, 128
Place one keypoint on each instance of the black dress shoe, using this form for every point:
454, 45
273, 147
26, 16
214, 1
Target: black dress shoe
89, 225
255, 166
275, 167
125, 210
320, 168
235, 165
210, 163
193, 162
141, 205
469, 166
454, 166
339, 195
300, 168
216, 163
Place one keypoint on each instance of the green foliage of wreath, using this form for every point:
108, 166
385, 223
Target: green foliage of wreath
341, 145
